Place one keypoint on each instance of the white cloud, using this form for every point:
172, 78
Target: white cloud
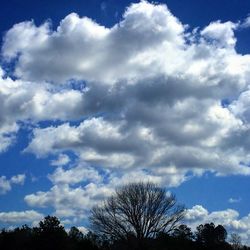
6, 184
69, 201
234, 200
61, 160
246, 23
197, 212
75, 175
240, 107
221, 33
84, 46
29, 100
7, 135
101, 142
16, 217
84, 230
20, 36
33, 102
18, 179
161, 110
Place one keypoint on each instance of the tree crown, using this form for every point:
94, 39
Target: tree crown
139, 209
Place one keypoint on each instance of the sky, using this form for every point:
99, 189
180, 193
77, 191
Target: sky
96, 94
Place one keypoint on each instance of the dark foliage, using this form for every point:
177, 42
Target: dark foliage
183, 232
51, 235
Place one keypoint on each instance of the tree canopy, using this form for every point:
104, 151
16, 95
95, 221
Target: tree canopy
141, 210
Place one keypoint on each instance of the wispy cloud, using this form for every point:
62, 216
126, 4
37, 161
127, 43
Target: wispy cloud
245, 23
234, 200
103, 7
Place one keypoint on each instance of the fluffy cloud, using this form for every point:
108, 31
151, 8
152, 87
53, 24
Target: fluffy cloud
6, 184
75, 175
162, 110
184, 145
221, 33
15, 217
61, 160
29, 100
25, 102
80, 48
229, 218
18, 179
71, 200
240, 107
68, 201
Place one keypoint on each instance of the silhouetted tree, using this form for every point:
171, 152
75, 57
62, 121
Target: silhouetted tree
47, 236
75, 234
50, 234
220, 234
209, 235
94, 241
50, 224
18, 238
183, 232
140, 210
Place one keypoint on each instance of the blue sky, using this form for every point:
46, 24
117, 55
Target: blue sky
95, 94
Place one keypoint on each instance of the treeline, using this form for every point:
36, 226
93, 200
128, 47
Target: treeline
51, 235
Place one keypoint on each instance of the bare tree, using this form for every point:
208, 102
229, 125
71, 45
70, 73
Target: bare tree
138, 209
235, 240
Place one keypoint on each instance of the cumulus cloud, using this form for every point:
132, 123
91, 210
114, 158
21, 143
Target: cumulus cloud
240, 107
75, 175
18, 179
80, 48
68, 201
62, 160
221, 33
24, 102
161, 109
181, 145
19, 37
8, 132
6, 184
229, 218
16, 217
